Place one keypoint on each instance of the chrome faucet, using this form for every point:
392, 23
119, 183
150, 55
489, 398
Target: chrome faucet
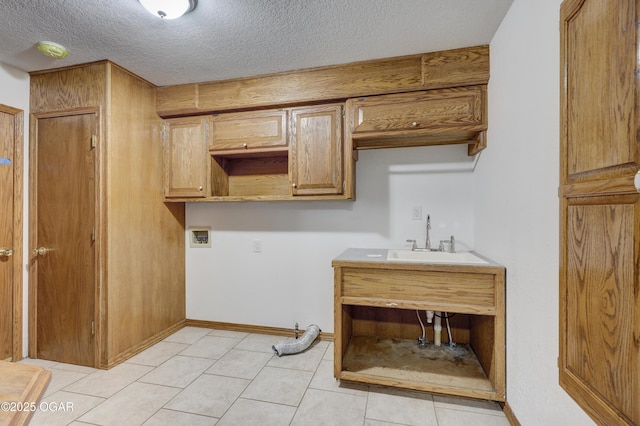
427, 243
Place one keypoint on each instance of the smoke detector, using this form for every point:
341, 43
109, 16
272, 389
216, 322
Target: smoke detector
53, 50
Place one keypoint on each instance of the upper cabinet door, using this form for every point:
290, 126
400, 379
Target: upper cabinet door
599, 359
316, 156
599, 41
186, 142
249, 130
433, 117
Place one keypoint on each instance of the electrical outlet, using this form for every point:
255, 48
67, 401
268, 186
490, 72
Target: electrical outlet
416, 213
257, 246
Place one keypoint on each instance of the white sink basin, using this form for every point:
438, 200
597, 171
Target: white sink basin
433, 257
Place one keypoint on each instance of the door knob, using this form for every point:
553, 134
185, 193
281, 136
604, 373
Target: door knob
6, 252
41, 251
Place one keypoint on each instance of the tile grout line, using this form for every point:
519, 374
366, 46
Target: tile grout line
307, 388
244, 389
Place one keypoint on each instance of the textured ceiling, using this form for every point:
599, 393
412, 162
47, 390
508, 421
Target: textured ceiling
224, 39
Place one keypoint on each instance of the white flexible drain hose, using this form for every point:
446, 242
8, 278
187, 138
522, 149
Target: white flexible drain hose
287, 347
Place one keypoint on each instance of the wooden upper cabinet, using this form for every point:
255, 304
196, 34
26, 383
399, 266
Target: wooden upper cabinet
187, 163
316, 157
599, 359
291, 140
432, 117
252, 130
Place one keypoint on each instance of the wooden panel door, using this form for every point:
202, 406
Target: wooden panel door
65, 239
316, 158
186, 157
600, 209
6, 235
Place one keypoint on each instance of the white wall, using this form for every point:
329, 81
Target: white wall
15, 93
292, 279
517, 210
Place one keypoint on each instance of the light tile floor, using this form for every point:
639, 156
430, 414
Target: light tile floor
200, 376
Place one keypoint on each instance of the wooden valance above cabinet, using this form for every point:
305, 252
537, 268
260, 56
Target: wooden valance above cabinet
436, 70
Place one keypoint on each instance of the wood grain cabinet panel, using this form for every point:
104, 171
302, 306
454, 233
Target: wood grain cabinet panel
316, 150
600, 209
433, 117
186, 159
249, 130
473, 292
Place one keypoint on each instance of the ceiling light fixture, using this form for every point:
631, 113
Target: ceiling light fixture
53, 50
168, 9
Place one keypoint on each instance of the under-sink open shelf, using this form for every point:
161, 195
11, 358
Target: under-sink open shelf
437, 369
383, 349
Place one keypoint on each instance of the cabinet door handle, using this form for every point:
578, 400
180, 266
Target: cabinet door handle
295, 185
414, 124
6, 252
245, 145
200, 188
391, 304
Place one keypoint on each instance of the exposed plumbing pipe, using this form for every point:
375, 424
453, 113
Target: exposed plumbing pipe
437, 329
287, 347
451, 344
430, 317
422, 341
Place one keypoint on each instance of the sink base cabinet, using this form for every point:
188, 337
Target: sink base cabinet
376, 340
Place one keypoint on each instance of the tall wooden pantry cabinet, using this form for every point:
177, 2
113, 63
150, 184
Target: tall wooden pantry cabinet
107, 254
600, 208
